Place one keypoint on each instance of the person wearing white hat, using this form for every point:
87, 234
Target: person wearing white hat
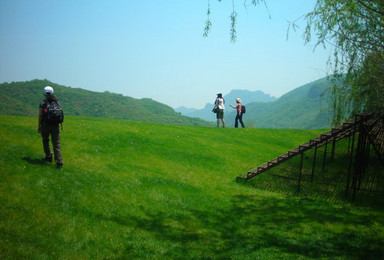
239, 115
219, 106
50, 117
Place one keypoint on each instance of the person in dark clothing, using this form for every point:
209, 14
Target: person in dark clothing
47, 128
239, 115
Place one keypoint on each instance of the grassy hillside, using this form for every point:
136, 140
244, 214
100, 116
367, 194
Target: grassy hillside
303, 108
137, 190
23, 98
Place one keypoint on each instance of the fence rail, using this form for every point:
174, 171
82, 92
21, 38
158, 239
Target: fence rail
365, 127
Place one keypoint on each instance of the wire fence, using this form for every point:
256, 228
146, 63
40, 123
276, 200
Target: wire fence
349, 170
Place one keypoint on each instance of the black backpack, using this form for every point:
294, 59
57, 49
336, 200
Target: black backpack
243, 110
53, 113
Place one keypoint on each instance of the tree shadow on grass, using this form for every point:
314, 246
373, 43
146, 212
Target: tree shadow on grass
300, 227
254, 227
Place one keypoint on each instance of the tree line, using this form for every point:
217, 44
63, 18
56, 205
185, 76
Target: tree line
23, 98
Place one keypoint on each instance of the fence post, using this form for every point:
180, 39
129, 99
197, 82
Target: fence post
360, 157
350, 158
314, 164
333, 149
301, 168
325, 155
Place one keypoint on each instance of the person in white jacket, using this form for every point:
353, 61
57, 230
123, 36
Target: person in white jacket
219, 104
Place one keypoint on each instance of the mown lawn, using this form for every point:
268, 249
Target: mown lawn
133, 190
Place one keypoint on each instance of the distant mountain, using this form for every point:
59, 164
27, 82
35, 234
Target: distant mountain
23, 98
245, 95
185, 110
248, 97
306, 107
205, 113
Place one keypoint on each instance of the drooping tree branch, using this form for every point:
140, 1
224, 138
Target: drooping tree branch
355, 31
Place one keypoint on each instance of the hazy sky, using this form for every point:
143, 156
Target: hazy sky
155, 48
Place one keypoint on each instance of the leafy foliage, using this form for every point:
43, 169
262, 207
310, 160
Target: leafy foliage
355, 28
232, 17
23, 98
355, 31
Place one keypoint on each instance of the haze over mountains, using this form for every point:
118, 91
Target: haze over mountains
306, 107
245, 95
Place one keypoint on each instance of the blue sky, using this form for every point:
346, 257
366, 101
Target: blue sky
155, 49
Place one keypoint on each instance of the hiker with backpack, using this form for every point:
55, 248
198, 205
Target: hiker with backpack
219, 109
240, 111
50, 117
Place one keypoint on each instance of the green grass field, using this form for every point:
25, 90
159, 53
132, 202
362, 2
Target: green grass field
134, 190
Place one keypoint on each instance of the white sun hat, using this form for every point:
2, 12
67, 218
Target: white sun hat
48, 90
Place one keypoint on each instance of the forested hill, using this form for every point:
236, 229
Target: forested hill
23, 98
306, 107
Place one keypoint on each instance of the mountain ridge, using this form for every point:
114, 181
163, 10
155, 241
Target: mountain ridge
22, 98
305, 107
247, 97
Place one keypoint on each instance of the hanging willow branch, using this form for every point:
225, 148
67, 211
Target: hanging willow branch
208, 23
233, 23
233, 17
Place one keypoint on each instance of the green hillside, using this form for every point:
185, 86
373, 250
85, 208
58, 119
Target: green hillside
23, 98
305, 107
139, 190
